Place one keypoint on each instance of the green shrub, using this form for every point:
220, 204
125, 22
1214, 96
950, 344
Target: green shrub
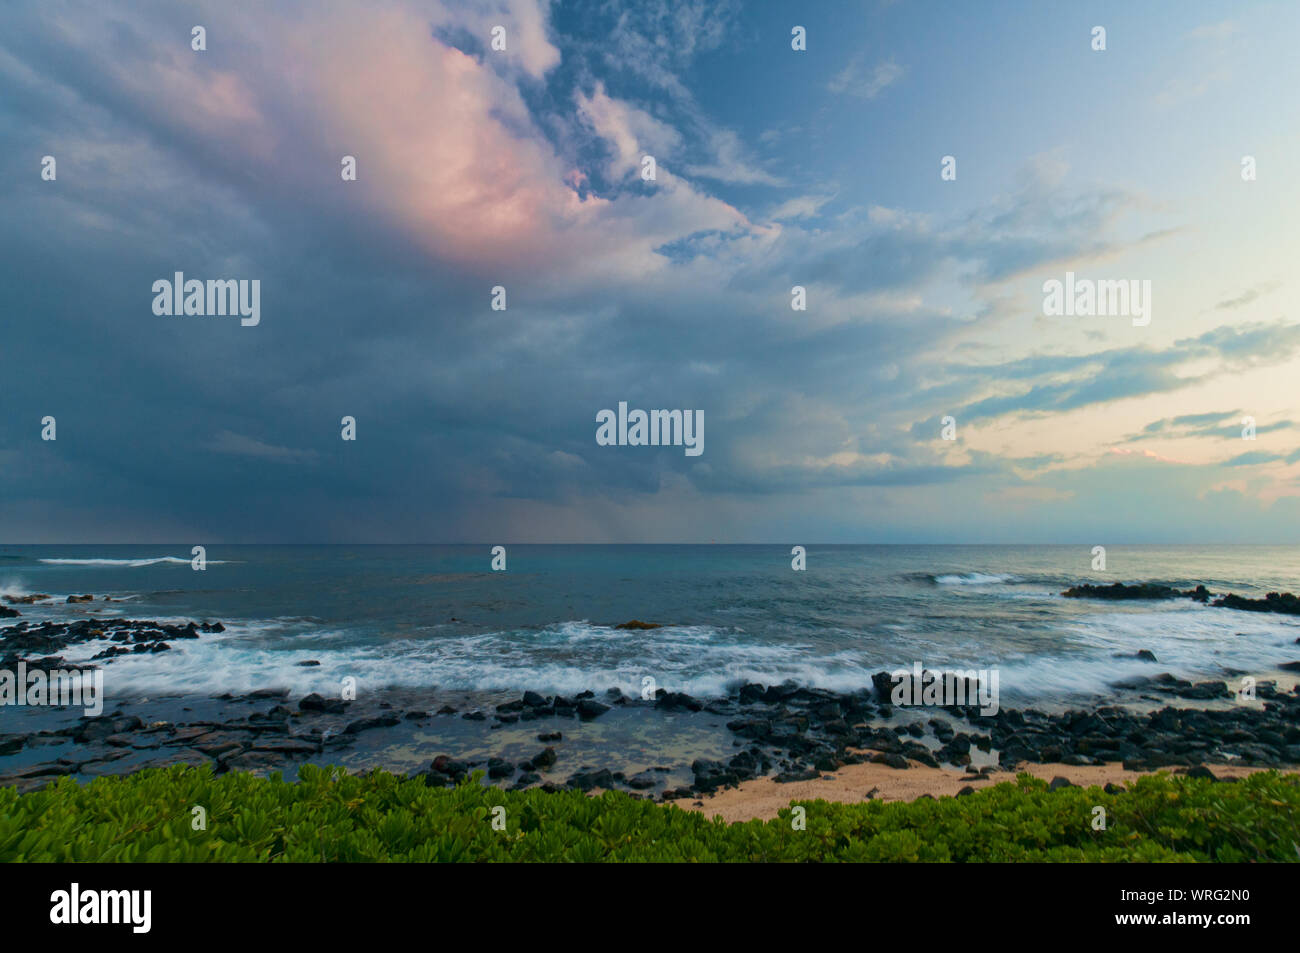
329, 815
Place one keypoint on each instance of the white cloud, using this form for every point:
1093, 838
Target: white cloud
802, 206
853, 80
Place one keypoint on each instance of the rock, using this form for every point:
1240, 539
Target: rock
677, 700
1119, 590
922, 754
39, 771
1285, 603
797, 774
967, 790
585, 781
309, 663
1145, 655
534, 700
642, 781
776, 694
757, 728
449, 767
186, 733
314, 702
638, 624
499, 768
1205, 690
287, 746
544, 759
28, 600
1059, 782
365, 724
90, 730
264, 693
1200, 771
711, 775
893, 760
254, 761
589, 709
81, 599
550, 736
221, 749
7, 613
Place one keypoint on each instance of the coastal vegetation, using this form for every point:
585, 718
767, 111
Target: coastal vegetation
188, 814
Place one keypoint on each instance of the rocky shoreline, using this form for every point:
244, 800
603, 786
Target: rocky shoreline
787, 732
1281, 602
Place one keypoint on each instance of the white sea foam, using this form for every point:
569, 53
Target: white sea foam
975, 579
130, 563
13, 587
569, 657
1077, 657
1189, 641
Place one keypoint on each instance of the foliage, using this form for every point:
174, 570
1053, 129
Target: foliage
328, 815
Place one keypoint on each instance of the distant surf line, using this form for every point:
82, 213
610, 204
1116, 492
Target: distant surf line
131, 563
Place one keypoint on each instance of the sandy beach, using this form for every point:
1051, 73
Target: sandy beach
763, 798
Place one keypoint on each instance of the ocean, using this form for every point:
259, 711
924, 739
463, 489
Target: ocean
438, 618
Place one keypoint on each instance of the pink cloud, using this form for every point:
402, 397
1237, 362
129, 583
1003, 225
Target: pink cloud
448, 154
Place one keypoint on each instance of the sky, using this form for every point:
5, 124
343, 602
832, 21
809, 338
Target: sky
522, 168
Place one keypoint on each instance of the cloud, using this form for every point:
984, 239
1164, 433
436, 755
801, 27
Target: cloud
1070, 382
802, 206
1252, 458
523, 169
243, 446
1246, 297
730, 163
855, 80
1149, 454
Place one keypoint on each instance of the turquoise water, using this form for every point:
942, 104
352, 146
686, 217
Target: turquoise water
437, 616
